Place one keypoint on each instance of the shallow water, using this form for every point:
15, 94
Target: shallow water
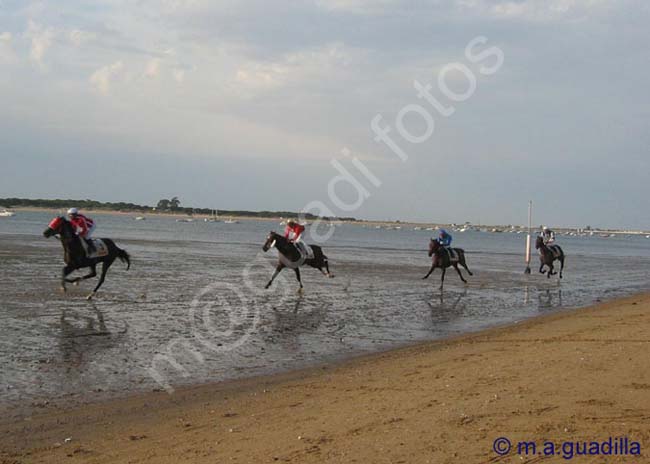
193, 308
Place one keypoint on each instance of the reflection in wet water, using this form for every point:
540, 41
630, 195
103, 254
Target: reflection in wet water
61, 346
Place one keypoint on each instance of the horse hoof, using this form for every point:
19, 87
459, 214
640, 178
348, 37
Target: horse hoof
63, 290
300, 290
331, 276
76, 284
90, 297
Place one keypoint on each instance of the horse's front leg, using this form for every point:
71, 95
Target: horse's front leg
550, 271
66, 270
93, 273
278, 268
442, 278
297, 271
433, 267
541, 269
561, 266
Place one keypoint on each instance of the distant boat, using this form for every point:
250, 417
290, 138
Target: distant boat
139, 218
185, 220
230, 221
213, 218
5, 213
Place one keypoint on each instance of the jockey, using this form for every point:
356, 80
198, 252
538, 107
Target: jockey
548, 236
444, 238
294, 232
83, 226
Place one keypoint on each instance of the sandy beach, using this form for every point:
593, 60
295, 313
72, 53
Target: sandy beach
574, 376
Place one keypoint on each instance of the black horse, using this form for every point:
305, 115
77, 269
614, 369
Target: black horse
548, 254
443, 260
290, 257
74, 254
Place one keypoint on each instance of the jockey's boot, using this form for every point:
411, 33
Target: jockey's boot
301, 249
91, 246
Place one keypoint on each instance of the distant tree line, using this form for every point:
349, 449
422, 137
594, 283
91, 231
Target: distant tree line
165, 205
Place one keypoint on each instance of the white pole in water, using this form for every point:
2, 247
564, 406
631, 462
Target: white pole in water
528, 237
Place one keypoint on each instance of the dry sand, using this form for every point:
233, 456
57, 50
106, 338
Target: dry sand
577, 376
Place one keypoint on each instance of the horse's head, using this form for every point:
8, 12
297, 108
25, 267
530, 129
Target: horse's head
434, 245
539, 243
54, 227
270, 241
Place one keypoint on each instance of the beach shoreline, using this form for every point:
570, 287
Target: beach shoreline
450, 395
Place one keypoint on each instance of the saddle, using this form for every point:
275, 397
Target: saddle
100, 248
453, 256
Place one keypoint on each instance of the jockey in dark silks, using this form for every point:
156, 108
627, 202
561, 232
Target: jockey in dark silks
548, 236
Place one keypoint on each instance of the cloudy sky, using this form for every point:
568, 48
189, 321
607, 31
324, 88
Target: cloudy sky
239, 104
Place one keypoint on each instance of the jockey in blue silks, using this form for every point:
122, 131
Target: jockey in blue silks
444, 238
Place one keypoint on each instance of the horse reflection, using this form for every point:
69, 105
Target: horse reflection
83, 335
549, 300
297, 317
451, 307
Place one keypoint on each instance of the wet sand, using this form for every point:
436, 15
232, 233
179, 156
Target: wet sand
575, 376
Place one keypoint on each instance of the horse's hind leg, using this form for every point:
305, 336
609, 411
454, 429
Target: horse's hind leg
464, 264
459, 273
541, 269
327, 268
561, 266
442, 279
105, 266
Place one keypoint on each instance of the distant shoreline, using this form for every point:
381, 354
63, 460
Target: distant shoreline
360, 222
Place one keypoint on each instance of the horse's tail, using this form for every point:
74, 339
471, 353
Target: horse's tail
124, 257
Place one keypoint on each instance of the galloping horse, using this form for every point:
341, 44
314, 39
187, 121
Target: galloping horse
442, 259
290, 257
75, 257
548, 254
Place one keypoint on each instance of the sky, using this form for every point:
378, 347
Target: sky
251, 104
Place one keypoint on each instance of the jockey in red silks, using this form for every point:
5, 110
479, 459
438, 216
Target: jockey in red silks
83, 226
294, 233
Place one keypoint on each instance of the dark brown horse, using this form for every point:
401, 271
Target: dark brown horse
290, 257
75, 257
442, 259
548, 254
